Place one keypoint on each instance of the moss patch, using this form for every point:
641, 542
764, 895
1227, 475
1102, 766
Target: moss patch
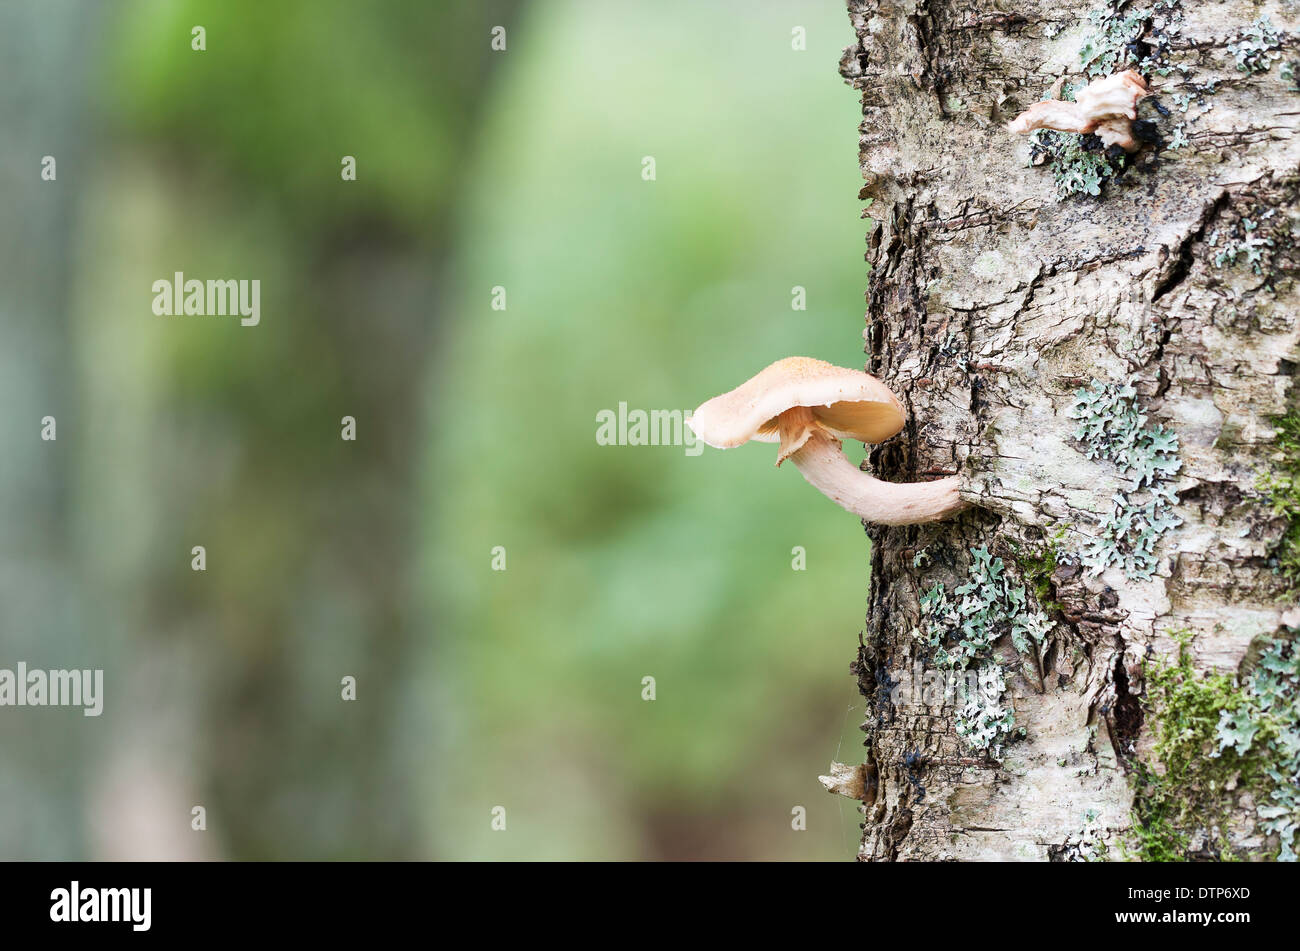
1037, 567
1215, 740
1283, 487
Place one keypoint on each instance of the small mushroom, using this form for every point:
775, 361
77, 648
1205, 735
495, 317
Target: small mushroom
808, 406
1106, 106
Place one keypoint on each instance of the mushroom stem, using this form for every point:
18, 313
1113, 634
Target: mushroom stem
824, 465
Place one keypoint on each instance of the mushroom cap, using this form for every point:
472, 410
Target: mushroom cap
849, 404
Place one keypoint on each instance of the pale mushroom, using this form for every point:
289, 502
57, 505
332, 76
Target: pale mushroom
1106, 106
808, 406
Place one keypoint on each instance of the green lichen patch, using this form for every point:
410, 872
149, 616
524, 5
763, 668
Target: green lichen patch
1183, 101
961, 630
1088, 844
1265, 724
1256, 234
1112, 427
1245, 242
983, 721
987, 607
1282, 484
1107, 48
1140, 37
1257, 46
1080, 164
1219, 738
1290, 74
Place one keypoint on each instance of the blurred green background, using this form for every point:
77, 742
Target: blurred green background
476, 169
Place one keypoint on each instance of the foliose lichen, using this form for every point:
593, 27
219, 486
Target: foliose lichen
1114, 41
1112, 427
1257, 46
983, 721
961, 632
1183, 102
1088, 844
1244, 243
1290, 74
1265, 720
1080, 164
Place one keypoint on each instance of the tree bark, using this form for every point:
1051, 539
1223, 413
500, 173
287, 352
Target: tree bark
992, 302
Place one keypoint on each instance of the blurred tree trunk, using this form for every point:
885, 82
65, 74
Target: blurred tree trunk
992, 302
42, 113
230, 680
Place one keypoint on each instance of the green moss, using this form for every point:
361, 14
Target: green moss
1037, 567
1156, 834
1216, 739
1185, 792
1283, 487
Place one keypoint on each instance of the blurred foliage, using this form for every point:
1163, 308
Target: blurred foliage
476, 428
629, 561
227, 163
283, 87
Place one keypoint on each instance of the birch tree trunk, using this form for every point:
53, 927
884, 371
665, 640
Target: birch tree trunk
1000, 288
